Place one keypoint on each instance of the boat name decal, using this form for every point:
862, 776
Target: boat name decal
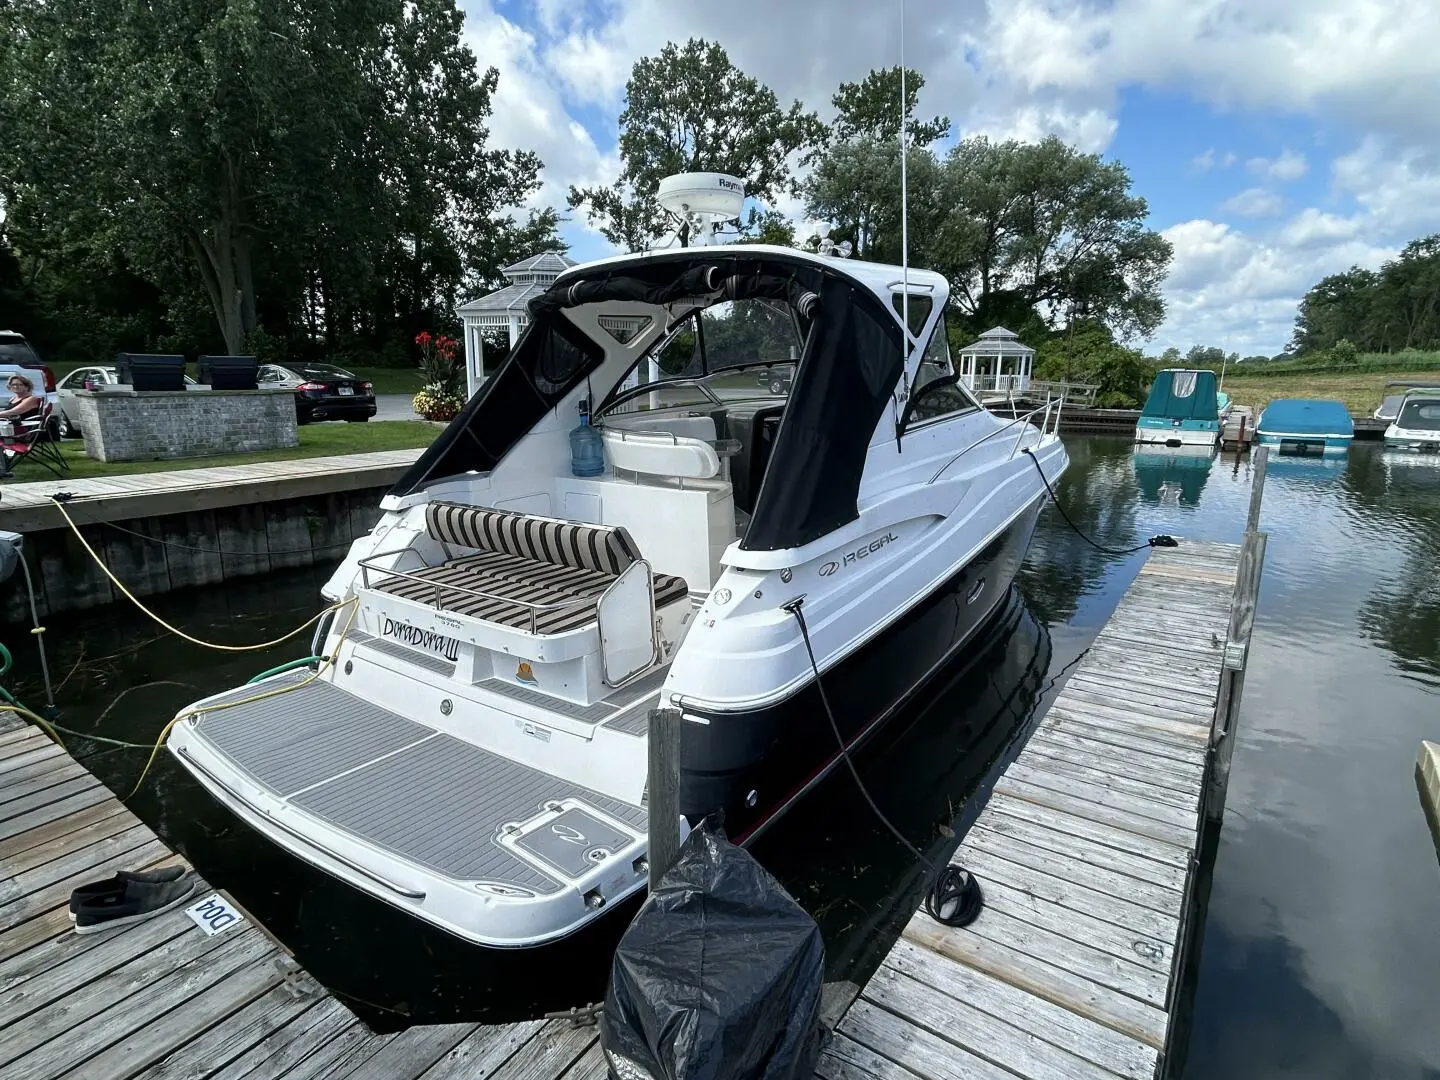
828, 568
417, 638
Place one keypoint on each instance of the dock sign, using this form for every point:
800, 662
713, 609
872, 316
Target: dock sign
214, 915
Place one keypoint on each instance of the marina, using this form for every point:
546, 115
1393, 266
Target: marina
243, 1007
1214, 509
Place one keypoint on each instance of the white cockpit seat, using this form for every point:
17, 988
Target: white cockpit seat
658, 453
534, 574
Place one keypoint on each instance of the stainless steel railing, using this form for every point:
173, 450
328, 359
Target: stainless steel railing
1023, 424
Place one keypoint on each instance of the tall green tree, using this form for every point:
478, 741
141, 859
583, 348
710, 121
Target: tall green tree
315, 167
1019, 229
690, 109
871, 109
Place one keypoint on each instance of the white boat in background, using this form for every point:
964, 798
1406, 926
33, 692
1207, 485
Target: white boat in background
1416, 427
473, 747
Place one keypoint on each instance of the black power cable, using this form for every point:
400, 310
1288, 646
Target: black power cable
954, 897
1162, 540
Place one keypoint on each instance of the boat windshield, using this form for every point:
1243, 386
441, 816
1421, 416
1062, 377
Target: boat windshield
734, 351
1420, 415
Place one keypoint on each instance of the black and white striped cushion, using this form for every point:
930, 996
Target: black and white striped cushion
568, 604
603, 548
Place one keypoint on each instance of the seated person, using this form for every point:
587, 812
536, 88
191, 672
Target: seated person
24, 402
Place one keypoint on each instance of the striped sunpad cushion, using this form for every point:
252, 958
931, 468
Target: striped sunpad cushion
603, 548
574, 601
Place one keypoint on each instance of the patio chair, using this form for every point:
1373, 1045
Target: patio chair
32, 443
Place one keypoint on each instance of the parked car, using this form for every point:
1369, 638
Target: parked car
18, 358
322, 391
96, 377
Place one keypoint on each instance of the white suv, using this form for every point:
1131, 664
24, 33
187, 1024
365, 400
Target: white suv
18, 358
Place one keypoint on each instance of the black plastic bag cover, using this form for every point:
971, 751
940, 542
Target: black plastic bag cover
718, 977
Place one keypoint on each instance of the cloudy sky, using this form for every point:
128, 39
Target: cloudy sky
1276, 141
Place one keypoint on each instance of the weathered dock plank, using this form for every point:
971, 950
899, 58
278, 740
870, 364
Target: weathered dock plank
1085, 852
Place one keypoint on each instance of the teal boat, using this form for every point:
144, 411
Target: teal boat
1301, 426
1183, 409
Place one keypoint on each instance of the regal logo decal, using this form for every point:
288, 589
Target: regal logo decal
851, 557
526, 674
417, 638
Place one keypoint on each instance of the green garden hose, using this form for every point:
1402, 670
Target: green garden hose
291, 665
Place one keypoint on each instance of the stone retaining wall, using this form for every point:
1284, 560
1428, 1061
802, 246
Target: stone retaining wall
123, 425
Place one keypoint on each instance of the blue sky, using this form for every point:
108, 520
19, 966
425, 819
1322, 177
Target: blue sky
1275, 141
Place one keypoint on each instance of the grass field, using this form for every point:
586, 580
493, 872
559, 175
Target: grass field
316, 440
1360, 391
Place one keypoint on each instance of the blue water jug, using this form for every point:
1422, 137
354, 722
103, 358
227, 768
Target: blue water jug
587, 450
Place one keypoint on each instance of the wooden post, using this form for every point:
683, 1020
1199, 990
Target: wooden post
664, 791
1257, 489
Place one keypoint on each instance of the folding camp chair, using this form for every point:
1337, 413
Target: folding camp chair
32, 443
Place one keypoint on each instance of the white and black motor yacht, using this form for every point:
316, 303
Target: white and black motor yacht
471, 747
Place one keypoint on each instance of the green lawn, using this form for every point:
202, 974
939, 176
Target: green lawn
386, 380
1360, 391
316, 440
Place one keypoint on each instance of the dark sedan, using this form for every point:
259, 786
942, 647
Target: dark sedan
322, 391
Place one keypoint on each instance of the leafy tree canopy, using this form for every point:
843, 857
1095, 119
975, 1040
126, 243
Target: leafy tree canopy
871, 109
1016, 227
1395, 308
322, 172
691, 110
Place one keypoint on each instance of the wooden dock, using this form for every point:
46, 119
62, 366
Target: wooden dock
26, 507
1086, 852
161, 999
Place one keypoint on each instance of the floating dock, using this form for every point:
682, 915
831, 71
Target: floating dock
1086, 852
163, 999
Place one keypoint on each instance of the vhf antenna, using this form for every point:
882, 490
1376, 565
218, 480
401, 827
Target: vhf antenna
904, 198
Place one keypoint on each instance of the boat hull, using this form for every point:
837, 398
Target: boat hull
1184, 433
754, 765
1305, 444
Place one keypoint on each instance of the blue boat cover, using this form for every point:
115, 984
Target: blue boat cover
1298, 416
1182, 395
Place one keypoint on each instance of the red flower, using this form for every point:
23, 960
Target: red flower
423, 338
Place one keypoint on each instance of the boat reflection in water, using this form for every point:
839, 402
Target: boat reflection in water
930, 775
1173, 475
1307, 468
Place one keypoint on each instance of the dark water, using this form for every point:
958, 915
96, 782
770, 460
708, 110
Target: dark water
1320, 951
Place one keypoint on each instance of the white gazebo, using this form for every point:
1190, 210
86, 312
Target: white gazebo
999, 363
506, 309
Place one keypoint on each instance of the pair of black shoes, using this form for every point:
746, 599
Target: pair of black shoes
131, 896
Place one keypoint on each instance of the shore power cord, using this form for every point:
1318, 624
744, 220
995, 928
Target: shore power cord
953, 896
321, 662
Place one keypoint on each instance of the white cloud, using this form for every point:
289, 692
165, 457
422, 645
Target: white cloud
1212, 160
1288, 166
1029, 68
1255, 202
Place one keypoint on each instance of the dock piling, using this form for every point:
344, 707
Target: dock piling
663, 800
